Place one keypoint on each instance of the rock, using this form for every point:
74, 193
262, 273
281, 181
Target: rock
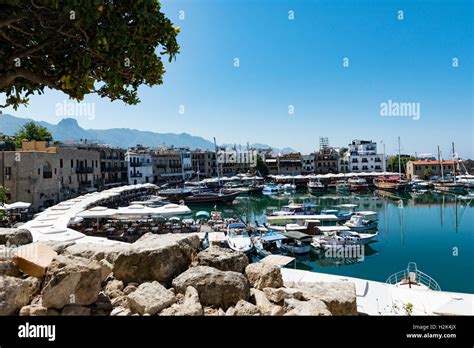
76, 311
16, 293
191, 304
263, 275
57, 246
34, 310
223, 259
278, 295
211, 311
245, 308
175, 309
96, 251
312, 307
106, 268
215, 287
339, 297
33, 259
71, 280
103, 305
120, 311
230, 311
7, 253
263, 304
150, 298
114, 288
121, 301
8, 268
15, 236
156, 257
129, 289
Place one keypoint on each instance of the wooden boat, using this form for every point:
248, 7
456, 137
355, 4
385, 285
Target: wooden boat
392, 183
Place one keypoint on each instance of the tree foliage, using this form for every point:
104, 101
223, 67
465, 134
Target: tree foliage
3, 198
6, 143
32, 131
392, 163
79, 47
262, 166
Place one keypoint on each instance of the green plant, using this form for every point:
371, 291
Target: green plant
409, 309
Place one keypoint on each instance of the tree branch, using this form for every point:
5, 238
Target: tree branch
7, 79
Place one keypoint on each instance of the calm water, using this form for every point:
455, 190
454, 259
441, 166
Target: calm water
435, 231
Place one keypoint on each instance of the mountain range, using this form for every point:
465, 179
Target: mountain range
68, 130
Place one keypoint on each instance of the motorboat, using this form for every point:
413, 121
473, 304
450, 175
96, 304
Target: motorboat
358, 184
288, 187
418, 184
368, 215
446, 186
467, 180
295, 209
238, 238
316, 186
413, 278
268, 243
296, 242
391, 183
359, 223
342, 237
271, 190
347, 210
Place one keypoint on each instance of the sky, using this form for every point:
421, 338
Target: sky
291, 86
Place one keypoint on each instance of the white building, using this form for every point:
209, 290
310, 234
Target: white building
140, 169
362, 156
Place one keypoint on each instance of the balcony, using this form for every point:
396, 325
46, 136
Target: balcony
84, 170
47, 175
136, 175
139, 164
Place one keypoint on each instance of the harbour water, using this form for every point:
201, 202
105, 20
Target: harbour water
433, 230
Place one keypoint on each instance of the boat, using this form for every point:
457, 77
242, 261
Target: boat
238, 238
342, 186
271, 190
315, 186
295, 209
301, 222
467, 180
448, 186
288, 187
211, 197
368, 215
344, 238
268, 243
413, 278
358, 184
419, 184
390, 183
296, 242
347, 212
359, 223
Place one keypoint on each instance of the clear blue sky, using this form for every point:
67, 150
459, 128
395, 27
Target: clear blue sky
299, 62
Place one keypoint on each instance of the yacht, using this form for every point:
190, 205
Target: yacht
271, 190
343, 238
316, 186
294, 209
418, 184
467, 180
413, 278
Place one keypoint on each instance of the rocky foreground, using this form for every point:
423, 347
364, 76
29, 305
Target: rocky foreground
157, 275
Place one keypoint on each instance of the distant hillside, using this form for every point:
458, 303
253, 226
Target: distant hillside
69, 130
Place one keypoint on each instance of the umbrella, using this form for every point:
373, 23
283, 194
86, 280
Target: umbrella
17, 205
174, 219
97, 212
137, 210
202, 213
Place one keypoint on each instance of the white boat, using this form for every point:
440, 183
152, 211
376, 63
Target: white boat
412, 278
296, 242
238, 238
467, 180
316, 186
342, 186
336, 238
358, 184
288, 187
268, 243
359, 223
368, 215
271, 190
294, 209
418, 184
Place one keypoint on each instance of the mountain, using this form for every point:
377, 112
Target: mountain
275, 150
69, 130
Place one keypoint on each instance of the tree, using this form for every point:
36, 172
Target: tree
31, 131
79, 47
3, 198
392, 163
262, 166
428, 173
6, 143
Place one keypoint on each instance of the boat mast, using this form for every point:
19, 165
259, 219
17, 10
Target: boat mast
440, 164
454, 164
198, 171
399, 161
217, 162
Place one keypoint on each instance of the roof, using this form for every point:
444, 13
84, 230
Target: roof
431, 163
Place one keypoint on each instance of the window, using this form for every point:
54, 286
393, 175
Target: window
47, 171
60, 163
72, 163
8, 170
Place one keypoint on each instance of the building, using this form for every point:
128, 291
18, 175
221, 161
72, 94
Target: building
326, 161
290, 164
171, 165
362, 156
272, 164
44, 175
309, 162
428, 168
204, 162
139, 165
113, 167
233, 160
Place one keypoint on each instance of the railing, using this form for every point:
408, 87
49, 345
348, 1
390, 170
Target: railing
136, 175
421, 278
140, 164
84, 170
